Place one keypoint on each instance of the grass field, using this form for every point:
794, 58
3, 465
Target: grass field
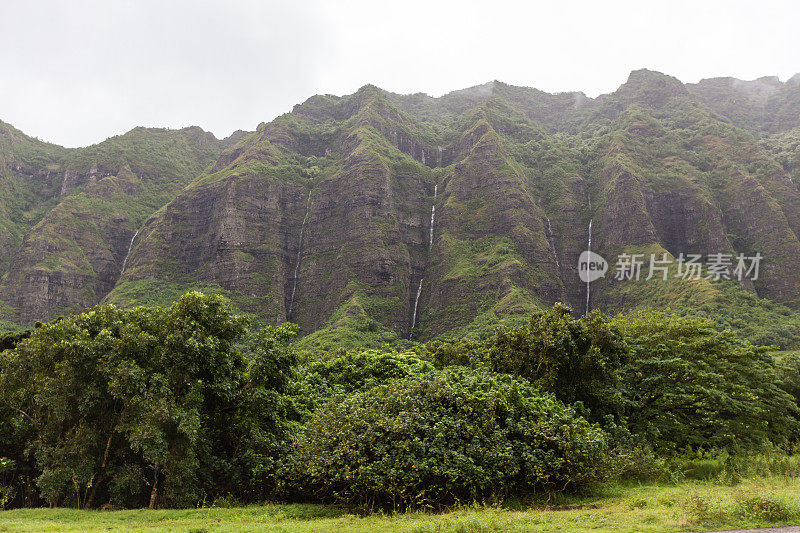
691, 506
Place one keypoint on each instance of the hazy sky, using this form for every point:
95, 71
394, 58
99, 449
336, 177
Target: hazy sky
77, 72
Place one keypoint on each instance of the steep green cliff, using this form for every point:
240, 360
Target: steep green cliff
376, 217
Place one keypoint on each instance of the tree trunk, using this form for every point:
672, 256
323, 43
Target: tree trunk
90, 499
101, 477
154, 492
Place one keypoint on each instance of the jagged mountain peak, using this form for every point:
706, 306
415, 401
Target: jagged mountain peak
235, 137
651, 88
484, 90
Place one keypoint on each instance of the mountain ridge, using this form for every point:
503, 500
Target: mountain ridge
512, 175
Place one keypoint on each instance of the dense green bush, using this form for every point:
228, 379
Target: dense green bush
577, 359
341, 375
689, 384
443, 437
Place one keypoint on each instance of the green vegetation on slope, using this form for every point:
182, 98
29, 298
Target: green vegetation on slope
518, 173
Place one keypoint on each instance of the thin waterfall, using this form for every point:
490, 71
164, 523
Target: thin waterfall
433, 214
130, 247
588, 286
299, 251
416, 303
439, 160
64, 183
552, 241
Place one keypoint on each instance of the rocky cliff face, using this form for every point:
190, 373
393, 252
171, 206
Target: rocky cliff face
72, 254
378, 216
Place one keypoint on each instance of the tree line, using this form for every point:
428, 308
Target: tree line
185, 405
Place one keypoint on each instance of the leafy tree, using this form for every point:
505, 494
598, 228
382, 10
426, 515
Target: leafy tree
131, 402
788, 369
175, 377
690, 384
257, 437
55, 383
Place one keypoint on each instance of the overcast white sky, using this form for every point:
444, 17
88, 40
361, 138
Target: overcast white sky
77, 72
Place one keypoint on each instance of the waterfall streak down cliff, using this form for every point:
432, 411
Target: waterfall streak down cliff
127, 255
299, 253
588, 287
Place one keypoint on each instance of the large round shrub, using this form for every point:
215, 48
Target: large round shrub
319, 381
442, 437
